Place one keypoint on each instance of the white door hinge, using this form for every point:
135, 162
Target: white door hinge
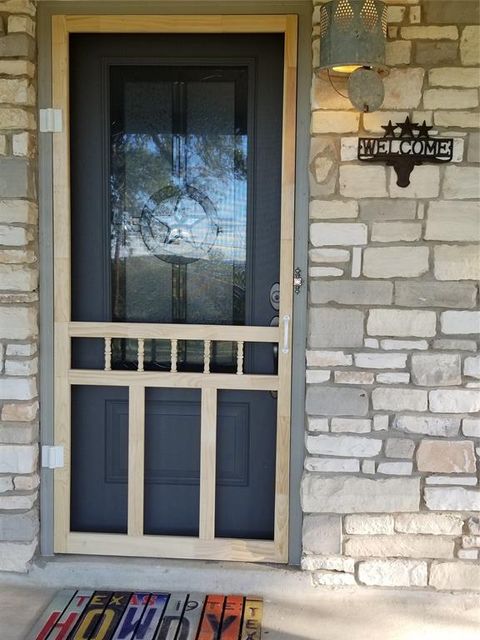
51, 120
52, 457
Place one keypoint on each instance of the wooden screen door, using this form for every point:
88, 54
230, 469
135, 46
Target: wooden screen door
173, 244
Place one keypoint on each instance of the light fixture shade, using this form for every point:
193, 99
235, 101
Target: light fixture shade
352, 35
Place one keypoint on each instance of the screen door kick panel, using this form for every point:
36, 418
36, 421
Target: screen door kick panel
172, 341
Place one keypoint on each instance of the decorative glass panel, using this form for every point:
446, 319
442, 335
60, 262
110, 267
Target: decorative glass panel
178, 196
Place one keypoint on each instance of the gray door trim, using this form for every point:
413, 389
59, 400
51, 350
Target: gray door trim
303, 8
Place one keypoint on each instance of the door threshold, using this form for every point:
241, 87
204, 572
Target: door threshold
105, 572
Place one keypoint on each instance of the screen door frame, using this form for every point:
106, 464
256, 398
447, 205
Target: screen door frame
134, 543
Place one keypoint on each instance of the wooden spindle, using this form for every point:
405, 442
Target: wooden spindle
108, 354
141, 354
206, 357
173, 355
240, 358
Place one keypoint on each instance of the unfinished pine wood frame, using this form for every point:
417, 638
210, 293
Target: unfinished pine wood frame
134, 542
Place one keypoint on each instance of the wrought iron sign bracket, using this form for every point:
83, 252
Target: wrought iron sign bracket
411, 147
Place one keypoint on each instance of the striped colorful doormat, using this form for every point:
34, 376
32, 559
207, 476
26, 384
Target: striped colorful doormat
85, 614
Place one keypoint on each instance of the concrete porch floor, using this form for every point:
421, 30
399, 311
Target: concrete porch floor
293, 608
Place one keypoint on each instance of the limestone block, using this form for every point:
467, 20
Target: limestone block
454, 401
429, 523
324, 96
436, 370
26, 483
455, 576
435, 294
343, 446
450, 99
328, 359
390, 262
14, 236
23, 144
393, 573
335, 327
333, 209
400, 546
470, 45
19, 6
409, 345
473, 147
395, 468
399, 399
15, 277
360, 181
21, 349
16, 556
471, 367
381, 360
460, 322
317, 376
329, 255
21, 367
396, 231
335, 579
325, 121
452, 499
473, 524
354, 377
17, 45
462, 182
457, 119
351, 292
322, 534
20, 211
19, 412
325, 272
351, 494
424, 183
395, 14
18, 458
368, 525
387, 209
19, 527
332, 465
328, 563
18, 502
393, 378
446, 426
338, 233
352, 425
329, 401
446, 457
16, 91
432, 53
453, 344
453, 221
459, 262
471, 427
457, 12
372, 122
21, 24
16, 178
18, 389
398, 52
454, 77
18, 323
401, 323
470, 481
317, 424
403, 88
399, 448
17, 68
429, 33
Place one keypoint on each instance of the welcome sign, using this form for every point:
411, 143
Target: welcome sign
404, 146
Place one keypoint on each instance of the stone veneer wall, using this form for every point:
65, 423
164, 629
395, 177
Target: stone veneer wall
18, 287
390, 489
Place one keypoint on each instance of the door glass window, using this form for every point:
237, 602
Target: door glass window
179, 154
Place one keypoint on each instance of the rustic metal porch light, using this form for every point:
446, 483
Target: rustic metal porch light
352, 36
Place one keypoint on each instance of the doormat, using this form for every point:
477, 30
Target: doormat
85, 614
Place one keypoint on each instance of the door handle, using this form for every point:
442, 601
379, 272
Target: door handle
286, 334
